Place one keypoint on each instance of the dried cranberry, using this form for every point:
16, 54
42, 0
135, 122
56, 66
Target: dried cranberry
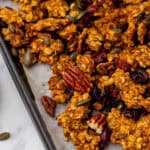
88, 52
134, 113
124, 27
70, 1
119, 3
139, 76
94, 6
115, 93
95, 93
86, 21
100, 57
147, 92
2, 24
110, 72
123, 65
110, 97
105, 137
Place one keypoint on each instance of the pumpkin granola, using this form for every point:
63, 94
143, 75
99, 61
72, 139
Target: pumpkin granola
99, 53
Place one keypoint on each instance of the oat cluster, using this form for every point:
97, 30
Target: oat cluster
99, 53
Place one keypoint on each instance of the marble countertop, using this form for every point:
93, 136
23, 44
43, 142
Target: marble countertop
14, 118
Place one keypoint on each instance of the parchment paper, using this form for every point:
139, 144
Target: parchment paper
38, 76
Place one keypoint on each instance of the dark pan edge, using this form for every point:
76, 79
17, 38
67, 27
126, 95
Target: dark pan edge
27, 97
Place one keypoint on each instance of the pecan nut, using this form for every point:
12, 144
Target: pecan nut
97, 123
76, 79
49, 105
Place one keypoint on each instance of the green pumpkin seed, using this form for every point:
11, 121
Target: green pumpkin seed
28, 57
148, 22
82, 13
122, 136
104, 112
14, 51
71, 19
78, 3
83, 102
120, 106
47, 41
74, 55
116, 50
11, 28
4, 136
117, 30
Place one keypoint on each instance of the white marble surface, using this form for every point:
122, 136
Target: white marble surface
14, 117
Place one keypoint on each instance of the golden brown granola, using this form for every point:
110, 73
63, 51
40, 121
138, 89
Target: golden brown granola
99, 53
130, 134
76, 130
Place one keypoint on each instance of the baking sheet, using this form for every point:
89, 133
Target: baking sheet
38, 76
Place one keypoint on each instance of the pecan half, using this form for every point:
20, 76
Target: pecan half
75, 78
97, 123
49, 105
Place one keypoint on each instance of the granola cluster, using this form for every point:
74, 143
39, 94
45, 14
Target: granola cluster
99, 53
127, 132
76, 129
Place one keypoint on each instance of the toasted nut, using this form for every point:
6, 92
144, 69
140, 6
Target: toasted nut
49, 105
75, 78
97, 122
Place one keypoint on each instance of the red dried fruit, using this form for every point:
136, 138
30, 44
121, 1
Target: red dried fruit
105, 136
95, 93
100, 57
94, 6
49, 105
139, 76
115, 92
147, 93
123, 65
134, 113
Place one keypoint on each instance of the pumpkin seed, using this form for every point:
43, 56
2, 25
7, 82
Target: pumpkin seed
70, 18
28, 57
122, 136
104, 112
47, 41
14, 51
82, 13
116, 50
74, 55
4, 136
11, 28
120, 106
78, 3
118, 30
83, 102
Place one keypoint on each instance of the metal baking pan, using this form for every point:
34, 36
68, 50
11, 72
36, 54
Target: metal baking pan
18, 75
